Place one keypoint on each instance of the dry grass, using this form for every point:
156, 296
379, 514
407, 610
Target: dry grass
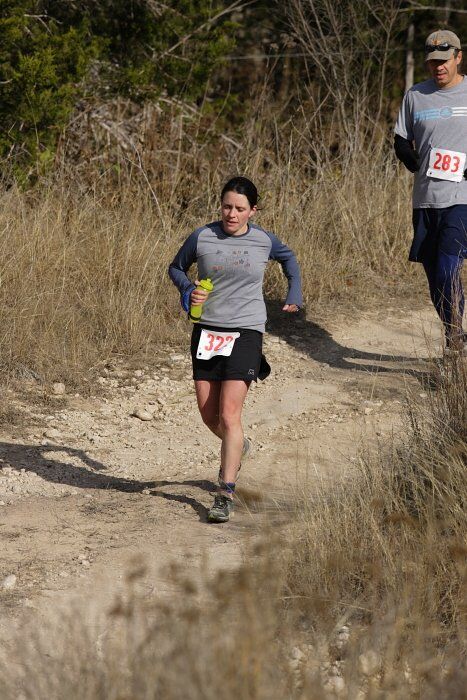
80, 280
386, 553
83, 268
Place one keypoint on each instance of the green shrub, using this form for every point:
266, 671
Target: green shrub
53, 53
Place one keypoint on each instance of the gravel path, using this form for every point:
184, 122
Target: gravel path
95, 482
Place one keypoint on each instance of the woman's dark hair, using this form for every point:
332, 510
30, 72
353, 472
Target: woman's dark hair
242, 185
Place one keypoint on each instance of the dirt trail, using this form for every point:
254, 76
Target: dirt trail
89, 487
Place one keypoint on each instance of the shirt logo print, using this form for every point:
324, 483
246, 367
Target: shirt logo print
234, 260
426, 115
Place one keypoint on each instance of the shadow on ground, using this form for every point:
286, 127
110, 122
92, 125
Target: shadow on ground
309, 337
61, 464
48, 462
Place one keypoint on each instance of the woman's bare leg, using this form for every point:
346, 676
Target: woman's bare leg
220, 405
232, 397
208, 397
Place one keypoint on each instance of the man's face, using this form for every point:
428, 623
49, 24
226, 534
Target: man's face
444, 73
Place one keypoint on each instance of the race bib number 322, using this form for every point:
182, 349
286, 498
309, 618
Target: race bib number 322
446, 165
213, 343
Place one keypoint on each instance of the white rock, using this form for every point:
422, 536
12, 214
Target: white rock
297, 653
58, 388
142, 413
335, 684
369, 662
9, 582
52, 433
342, 638
297, 659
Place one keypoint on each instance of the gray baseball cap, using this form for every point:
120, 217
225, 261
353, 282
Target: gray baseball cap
440, 45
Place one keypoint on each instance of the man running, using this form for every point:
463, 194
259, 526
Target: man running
431, 141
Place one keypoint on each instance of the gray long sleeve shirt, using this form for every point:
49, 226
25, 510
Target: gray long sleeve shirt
236, 266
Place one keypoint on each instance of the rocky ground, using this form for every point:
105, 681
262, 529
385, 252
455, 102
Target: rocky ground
88, 483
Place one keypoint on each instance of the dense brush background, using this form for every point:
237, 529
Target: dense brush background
120, 122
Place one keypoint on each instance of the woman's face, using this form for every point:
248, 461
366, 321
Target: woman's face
236, 212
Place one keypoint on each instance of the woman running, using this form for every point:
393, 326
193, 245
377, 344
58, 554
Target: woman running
226, 345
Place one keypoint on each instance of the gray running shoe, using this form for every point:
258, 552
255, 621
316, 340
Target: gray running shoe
222, 509
246, 448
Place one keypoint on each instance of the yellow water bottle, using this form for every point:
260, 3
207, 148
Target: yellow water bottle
197, 309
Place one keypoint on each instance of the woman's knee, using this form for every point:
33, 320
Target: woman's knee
230, 417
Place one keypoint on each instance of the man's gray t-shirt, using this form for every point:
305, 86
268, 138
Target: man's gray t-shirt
236, 266
435, 118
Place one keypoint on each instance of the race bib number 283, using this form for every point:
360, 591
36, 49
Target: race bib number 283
446, 165
212, 343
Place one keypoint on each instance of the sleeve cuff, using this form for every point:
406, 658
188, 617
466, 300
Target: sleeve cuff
185, 298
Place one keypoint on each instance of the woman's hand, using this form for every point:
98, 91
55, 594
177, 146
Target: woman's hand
198, 296
290, 308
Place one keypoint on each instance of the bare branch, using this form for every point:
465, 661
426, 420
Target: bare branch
348, 46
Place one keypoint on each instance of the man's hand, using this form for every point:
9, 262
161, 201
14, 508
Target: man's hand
291, 308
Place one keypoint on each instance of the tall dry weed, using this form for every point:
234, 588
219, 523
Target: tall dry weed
386, 551
83, 263
81, 278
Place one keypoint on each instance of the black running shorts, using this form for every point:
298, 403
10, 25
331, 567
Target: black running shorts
245, 362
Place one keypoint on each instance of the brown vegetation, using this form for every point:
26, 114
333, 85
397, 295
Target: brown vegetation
83, 259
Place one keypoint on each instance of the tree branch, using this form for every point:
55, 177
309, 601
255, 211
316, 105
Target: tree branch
237, 5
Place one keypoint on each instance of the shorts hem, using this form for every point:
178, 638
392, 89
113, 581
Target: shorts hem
224, 379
